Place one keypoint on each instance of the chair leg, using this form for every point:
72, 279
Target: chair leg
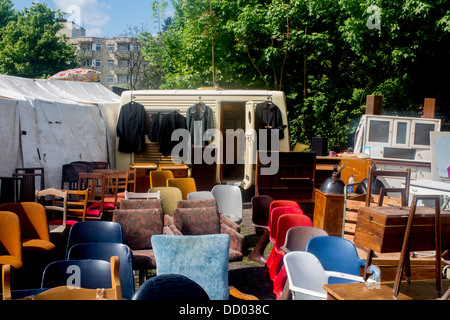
142, 276
257, 253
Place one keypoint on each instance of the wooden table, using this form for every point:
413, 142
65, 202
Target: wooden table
416, 290
405, 229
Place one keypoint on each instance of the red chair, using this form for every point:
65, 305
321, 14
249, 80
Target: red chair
275, 214
277, 271
282, 203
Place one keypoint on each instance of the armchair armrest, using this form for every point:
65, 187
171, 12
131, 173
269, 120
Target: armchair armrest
236, 239
169, 227
233, 225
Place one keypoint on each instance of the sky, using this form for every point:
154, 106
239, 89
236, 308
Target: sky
102, 18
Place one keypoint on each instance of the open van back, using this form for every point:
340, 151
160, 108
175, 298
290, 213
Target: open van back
233, 110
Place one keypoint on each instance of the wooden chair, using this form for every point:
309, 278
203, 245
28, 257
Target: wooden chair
55, 225
142, 195
95, 182
69, 293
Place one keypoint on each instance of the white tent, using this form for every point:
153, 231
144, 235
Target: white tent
48, 123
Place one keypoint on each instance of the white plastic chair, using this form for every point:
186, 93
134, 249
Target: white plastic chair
306, 276
229, 201
142, 195
200, 195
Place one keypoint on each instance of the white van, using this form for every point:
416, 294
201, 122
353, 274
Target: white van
232, 110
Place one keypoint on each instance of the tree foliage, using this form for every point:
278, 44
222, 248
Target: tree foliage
326, 55
29, 44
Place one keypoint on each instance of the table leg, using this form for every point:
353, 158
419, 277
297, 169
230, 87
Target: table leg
368, 263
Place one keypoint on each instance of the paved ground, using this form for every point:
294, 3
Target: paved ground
248, 276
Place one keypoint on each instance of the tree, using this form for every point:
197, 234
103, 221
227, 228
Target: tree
30, 46
326, 55
7, 13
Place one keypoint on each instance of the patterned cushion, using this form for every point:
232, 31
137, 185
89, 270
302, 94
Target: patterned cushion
141, 204
197, 203
139, 225
197, 221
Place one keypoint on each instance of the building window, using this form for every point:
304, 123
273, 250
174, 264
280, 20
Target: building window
123, 63
111, 64
111, 47
124, 47
97, 63
86, 46
97, 47
110, 79
123, 79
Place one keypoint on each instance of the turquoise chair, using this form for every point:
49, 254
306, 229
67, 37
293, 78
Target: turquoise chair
201, 258
339, 254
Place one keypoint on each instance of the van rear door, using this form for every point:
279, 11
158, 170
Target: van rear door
250, 146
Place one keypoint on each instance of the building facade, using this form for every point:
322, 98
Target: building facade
118, 58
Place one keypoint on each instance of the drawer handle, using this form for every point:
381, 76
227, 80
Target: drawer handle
369, 218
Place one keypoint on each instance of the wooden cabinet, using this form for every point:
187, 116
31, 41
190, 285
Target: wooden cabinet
294, 179
328, 212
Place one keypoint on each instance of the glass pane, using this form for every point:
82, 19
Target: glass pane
422, 133
379, 131
401, 132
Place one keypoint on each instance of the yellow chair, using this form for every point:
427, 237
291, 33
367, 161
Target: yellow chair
186, 185
10, 244
159, 178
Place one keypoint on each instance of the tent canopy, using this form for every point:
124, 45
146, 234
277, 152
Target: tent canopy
47, 123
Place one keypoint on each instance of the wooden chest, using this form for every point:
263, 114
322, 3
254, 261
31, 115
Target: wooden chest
382, 228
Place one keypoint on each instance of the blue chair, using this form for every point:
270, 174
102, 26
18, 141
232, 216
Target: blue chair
88, 274
339, 254
94, 232
170, 287
104, 251
202, 258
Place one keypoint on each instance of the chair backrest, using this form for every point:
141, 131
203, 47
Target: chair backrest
305, 271
283, 203
203, 259
373, 173
286, 222
139, 225
94, 232
140, 204
158, 178
57, 195
335, 254
186, 185
142, 195
170, 287
200, 195
96, 183
197, 221
229, 201
63, 276
297, 237
33, 219
77, 203
169, 197
10, 243
104, 251
261, 210
275, 215
199, 203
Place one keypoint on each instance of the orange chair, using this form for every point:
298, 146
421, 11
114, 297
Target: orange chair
37, 249
10, 244
186, 185
159, 178
33, 225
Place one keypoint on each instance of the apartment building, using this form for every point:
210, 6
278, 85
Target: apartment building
118, 58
